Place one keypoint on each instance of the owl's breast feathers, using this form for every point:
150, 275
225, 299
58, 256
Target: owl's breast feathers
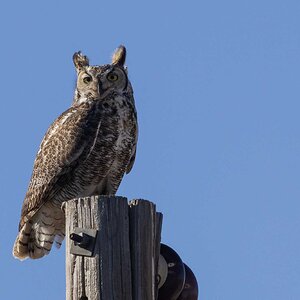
89, 143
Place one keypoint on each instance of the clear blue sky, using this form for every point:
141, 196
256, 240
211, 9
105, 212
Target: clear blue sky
217, 91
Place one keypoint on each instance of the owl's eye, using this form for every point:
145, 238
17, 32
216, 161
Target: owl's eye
87, 79
112, 76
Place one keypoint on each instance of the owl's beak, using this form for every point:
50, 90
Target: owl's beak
100, 89
102, 92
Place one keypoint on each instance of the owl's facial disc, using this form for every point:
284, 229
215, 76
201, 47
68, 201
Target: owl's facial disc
96, 82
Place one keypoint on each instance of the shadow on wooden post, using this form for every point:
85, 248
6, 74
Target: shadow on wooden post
113, 250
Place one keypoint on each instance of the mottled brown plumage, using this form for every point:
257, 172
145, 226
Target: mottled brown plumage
85, 151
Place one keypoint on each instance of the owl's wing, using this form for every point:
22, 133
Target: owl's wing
133, 150
133, 153
65, 141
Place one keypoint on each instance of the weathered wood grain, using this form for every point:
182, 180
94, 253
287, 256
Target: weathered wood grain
106, 275
125, 261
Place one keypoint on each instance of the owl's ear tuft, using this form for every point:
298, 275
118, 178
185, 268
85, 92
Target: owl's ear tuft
119, 56
80, 60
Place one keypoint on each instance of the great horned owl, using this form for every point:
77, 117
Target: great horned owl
85, 151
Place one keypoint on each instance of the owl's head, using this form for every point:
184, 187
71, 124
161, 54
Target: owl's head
96, 82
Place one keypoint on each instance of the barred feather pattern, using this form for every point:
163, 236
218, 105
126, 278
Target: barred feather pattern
37, 236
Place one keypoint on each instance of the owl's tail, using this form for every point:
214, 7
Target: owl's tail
20, 249
37, 235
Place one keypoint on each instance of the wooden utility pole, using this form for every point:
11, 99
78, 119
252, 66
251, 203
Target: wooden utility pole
112, 248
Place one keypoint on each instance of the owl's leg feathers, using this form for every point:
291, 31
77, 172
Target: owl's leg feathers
37, 236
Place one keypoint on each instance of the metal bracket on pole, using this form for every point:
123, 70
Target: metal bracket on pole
83, 241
